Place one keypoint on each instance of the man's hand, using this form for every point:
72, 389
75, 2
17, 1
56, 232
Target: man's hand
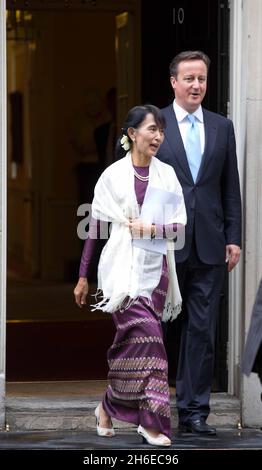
232, 256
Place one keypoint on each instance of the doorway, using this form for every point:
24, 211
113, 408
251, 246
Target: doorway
59, 73
173, 27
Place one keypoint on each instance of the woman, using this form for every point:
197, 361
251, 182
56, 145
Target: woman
139, 286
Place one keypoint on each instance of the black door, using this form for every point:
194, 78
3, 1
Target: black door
168, 28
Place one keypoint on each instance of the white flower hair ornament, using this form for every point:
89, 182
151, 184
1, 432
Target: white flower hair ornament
125, 142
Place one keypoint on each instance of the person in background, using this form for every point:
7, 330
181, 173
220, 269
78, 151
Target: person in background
139, 286
105, 134
252, 356
200, 145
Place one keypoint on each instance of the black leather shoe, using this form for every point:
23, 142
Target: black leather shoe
197, 426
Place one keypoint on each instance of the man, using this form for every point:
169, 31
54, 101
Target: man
200, 145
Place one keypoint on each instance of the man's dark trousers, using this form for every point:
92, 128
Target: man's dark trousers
200, 286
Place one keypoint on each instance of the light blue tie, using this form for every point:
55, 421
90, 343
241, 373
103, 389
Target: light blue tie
193, 146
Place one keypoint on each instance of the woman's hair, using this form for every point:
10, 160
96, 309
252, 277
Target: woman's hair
134, 118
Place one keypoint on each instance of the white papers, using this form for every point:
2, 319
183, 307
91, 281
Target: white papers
158, 208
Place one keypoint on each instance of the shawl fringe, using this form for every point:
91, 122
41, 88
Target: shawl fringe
106, 305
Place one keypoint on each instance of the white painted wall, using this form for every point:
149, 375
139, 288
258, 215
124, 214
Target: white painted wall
237, 114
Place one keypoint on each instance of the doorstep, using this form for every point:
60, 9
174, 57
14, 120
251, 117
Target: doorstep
71, 405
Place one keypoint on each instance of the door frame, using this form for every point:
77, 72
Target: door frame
3, 216
236, 282
116, 6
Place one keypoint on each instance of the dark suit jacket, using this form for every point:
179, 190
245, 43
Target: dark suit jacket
252, 358
213, 202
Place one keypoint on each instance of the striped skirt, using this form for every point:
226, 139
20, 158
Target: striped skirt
138, 390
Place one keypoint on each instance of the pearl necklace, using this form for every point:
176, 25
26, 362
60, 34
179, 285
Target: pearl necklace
141, 178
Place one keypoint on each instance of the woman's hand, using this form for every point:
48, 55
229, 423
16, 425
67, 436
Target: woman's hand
81, 291
139, 229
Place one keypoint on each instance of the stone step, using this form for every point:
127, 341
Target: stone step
77, 413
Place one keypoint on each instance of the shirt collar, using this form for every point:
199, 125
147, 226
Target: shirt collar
181, 113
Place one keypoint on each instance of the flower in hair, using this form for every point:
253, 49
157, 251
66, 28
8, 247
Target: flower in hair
125, 142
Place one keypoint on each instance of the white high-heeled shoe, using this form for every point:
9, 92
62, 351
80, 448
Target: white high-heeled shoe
160, 440
102, 432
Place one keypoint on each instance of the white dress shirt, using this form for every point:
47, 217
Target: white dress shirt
184, 123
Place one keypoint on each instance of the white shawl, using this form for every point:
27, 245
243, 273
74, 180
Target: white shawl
126, 272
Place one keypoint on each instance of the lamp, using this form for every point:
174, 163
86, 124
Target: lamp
19, 25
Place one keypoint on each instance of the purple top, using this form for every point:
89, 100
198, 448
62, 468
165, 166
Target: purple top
96, 226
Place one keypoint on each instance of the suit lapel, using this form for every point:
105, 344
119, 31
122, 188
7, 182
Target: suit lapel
210, 139
173, 136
